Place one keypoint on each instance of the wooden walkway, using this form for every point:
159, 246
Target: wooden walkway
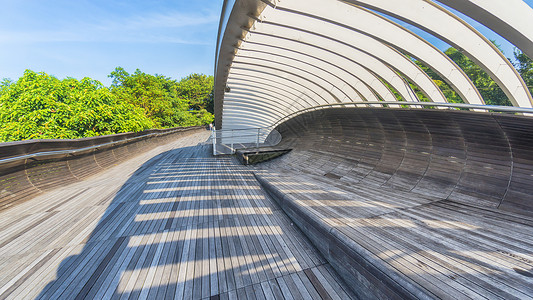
172, 223
420, 246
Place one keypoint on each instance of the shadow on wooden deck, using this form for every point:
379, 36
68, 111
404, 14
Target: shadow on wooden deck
187, 225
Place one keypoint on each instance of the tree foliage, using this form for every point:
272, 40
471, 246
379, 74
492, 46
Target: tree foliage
447, 91
198, 88
40, 106
168, 102
487, 87
524, 65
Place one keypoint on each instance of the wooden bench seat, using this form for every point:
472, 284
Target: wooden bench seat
395, 244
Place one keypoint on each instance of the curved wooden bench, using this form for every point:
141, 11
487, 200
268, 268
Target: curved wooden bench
413, 203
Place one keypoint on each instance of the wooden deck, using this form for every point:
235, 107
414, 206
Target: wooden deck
171, 223
413, 204
421, 247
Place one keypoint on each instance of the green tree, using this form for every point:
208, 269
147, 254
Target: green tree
448, 92
198, 90
168, 102
4, 84
146, 91
40, 106
487, 87
524, 65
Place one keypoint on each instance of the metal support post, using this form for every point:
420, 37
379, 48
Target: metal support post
258, 133
214, 137
232, 151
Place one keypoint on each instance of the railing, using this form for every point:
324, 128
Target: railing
28, 168
400, 104
227, 141
101, 142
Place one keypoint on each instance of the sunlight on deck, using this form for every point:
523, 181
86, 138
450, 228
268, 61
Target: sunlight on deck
184, 225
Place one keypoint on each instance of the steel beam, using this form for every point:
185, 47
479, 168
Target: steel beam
430, 16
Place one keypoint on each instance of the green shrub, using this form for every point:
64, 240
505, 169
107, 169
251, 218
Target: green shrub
40, 106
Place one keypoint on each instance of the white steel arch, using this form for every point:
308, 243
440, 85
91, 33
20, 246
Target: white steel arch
266, 90
429, 16
278, 57
303, 100
314, 75
378, 27
259, 97
510, 18
264, 98
320, 94
316, 68
342, 66
258, 108
270, 31
286, 87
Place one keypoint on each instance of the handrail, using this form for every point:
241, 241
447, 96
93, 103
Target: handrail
225, 141
496, 108
74, 151
238, 129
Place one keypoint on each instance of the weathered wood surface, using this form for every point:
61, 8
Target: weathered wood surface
413, 204
421, 246
473, 158
171, 223
48, 166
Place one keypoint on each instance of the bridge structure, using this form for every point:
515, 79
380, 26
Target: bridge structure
405, 194
381, 196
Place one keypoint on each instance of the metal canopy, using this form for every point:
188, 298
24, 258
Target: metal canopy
278, 57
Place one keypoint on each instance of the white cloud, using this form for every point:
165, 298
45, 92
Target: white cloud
171, 27
168, 20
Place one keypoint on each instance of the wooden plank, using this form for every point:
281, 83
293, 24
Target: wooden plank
327, 275
177, 253
15, 282
316, 284
302, 280
213, 263
247, 254
275, 288
100, 269
265, 258
302, 288
222, 270
284, 287
231, 277
198, 264
127, 280
185, 283
107, 289
79, 270
267, 291
33, 287
230, 244
258, 292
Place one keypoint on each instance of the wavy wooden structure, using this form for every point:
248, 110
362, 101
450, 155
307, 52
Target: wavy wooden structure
413, 203
29, 168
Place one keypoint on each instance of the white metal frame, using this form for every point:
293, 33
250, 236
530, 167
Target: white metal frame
276, 58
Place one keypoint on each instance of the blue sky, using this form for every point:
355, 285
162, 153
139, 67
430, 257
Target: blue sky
79, 38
